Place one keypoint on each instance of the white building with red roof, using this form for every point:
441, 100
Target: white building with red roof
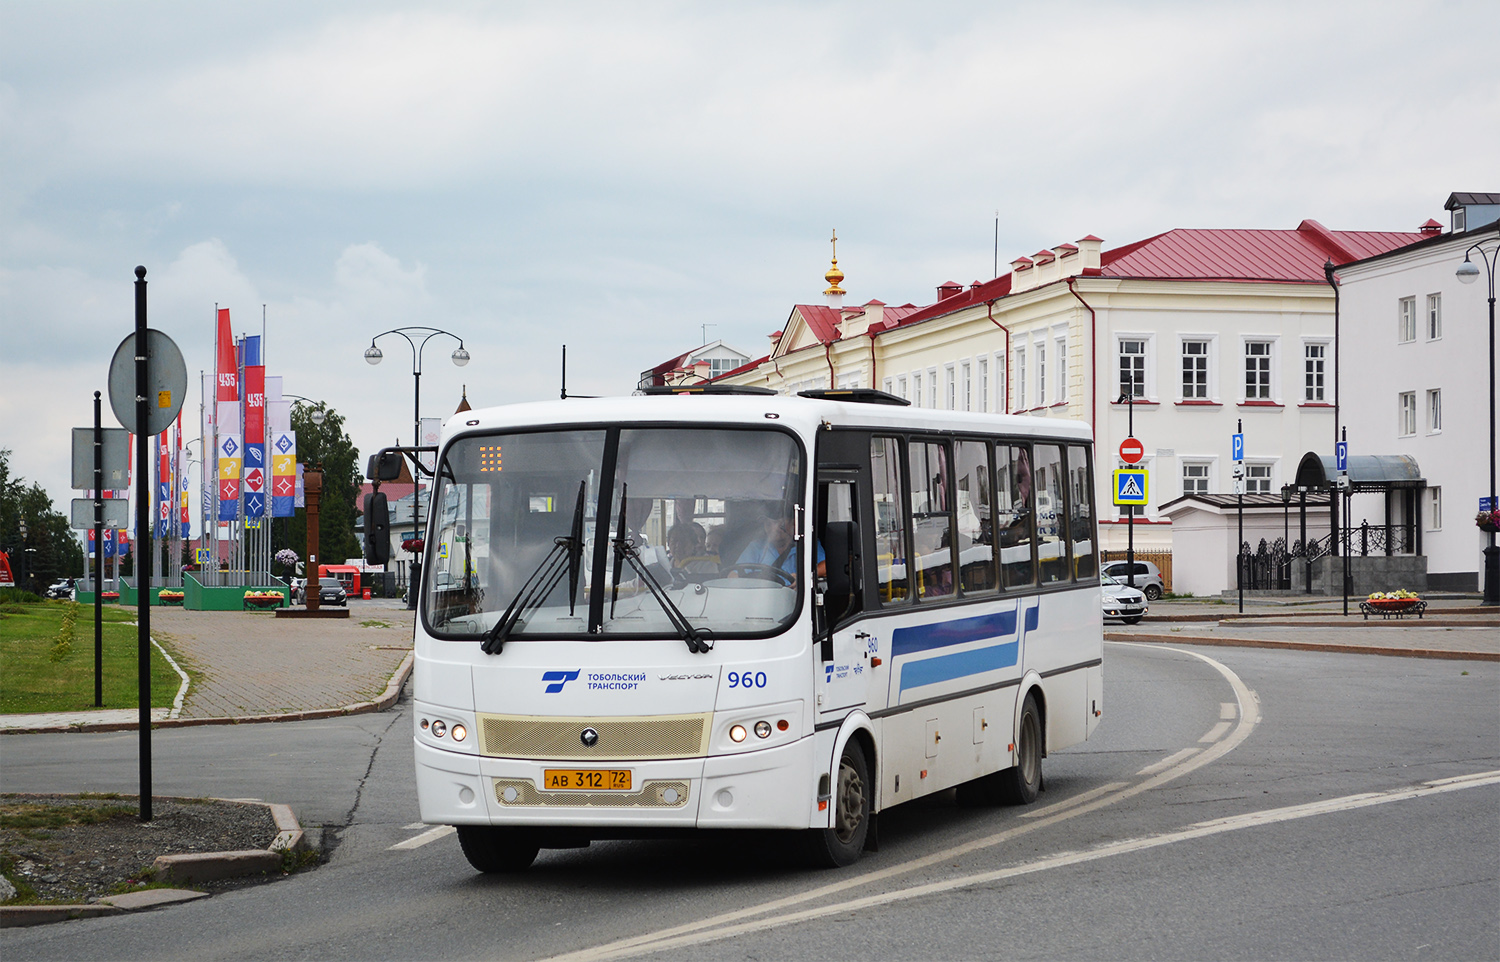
1206, 329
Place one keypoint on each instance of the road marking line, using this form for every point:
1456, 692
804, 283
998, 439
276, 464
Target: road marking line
1215, 733
1167, 762
1249, 706
1063, 860
1079, 799
1227, 710
413, 826
431, 835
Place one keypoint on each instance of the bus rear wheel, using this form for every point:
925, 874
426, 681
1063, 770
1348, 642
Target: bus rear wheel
1020, 784
842, 843
490, 849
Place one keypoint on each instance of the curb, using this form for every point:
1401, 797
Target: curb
385, 700
187, 869
1305, 646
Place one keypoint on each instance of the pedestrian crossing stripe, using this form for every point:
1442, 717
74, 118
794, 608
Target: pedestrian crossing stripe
1132, 486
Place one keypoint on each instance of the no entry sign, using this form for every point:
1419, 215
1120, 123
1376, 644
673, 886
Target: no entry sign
1132, 450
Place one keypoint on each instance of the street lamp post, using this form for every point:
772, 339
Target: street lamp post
1467, 273
416, 338
21, 575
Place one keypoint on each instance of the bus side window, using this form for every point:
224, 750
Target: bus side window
975, 530
932, 522
1081, 512
1051, 514
1014, 516
891, 583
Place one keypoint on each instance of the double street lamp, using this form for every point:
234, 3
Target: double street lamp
1468, 273
416, 338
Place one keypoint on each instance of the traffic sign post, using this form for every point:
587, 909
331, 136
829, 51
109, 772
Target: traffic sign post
1237, 446
1132, 450
1341, 456
1132, 487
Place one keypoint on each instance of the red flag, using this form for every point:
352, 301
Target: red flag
229, 382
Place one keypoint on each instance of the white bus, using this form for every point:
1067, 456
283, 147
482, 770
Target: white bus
648, 615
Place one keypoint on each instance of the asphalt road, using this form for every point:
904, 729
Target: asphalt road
1236, 803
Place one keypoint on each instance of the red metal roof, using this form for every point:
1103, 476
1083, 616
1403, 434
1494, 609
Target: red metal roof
1248, 255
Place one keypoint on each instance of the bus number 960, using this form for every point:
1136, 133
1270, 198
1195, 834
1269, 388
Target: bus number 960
745, 679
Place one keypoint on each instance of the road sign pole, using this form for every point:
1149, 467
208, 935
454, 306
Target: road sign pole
142, 543
1239, 545
98, 551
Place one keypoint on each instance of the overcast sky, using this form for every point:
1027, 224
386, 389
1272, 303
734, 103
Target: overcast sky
613, 176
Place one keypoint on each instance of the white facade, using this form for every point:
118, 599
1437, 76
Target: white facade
1416, 363
1204, 537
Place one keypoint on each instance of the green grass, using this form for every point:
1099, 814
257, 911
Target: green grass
33, 679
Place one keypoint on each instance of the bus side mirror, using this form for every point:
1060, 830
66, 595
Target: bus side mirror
838, 553
384, 465
377, 529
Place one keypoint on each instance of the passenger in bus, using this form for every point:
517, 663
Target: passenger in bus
685, 545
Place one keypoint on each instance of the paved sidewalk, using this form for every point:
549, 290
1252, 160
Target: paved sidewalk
1451, 627
253, 666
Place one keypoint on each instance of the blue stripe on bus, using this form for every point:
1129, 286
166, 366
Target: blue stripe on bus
1032, 614
930, 671
943, 634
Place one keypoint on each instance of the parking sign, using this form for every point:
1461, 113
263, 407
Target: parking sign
1237, 447
1341, 456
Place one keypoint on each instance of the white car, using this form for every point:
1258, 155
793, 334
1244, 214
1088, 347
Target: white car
1122, 602
1147, 577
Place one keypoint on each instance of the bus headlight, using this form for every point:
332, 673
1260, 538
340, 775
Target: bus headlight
459, 733
438, 728
762, 729
737, 733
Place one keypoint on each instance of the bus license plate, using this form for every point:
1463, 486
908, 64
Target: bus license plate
586, 779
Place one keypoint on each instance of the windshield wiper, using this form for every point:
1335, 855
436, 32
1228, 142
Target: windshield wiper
565, 557
699, 640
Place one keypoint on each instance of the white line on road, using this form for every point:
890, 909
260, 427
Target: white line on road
1227, 710
1215, 733
431, 835
1066, 859
1192, 759
1079, 799
1167, 762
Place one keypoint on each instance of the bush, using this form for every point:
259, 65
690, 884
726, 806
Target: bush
18, 596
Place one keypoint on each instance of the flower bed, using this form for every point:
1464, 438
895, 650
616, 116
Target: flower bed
169, 597
264, 599
109, 596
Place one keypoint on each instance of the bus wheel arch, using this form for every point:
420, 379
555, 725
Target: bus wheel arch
851, 790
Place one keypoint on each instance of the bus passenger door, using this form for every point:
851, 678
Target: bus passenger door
847, 654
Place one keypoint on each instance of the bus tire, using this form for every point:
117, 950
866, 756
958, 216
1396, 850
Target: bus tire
843, 842
1020, 784
490, 849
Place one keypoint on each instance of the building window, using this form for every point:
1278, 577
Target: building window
966, 386
1408, 423
916, 388
890, 385
1434, 411
1061, 388
1408, 328
1020, 379
950, 388
1195, 370
1195, 477
1434, 509
1257, 370
932, 387
984, 384
901, 387
1002, 385
1257, 478
1314, 370
1133, 368
1434, 316
1041, 373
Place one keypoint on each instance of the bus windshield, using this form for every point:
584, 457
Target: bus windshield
621, 531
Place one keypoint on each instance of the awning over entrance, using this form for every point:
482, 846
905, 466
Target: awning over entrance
1367, 472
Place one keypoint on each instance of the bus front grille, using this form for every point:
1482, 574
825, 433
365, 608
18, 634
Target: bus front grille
619, 738
654, 794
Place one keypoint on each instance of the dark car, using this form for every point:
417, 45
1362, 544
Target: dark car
62, 589
332, 593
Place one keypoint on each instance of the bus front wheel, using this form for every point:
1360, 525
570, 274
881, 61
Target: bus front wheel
842, 843
490, 849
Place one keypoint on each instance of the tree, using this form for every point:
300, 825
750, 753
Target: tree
50, 550
324, 446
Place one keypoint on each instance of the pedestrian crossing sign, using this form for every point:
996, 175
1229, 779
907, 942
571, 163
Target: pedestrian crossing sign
1132, 486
